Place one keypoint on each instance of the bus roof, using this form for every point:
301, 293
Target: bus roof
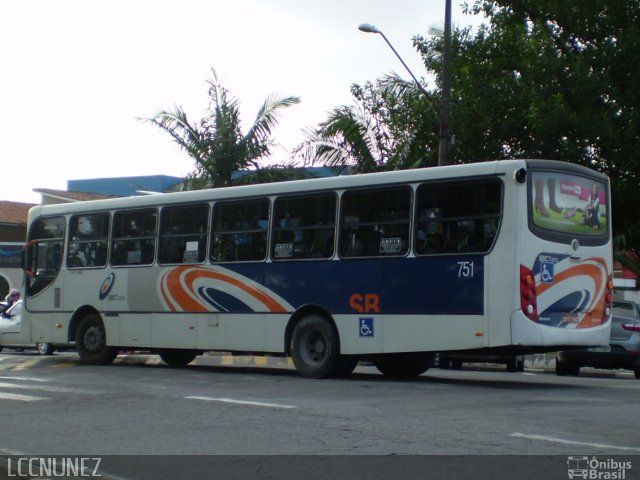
303, 186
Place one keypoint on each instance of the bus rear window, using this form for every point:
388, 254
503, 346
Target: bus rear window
568, 204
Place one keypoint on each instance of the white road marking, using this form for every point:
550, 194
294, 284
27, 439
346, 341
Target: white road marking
25, 379
22, 398
47, 388
573, 442
240, 402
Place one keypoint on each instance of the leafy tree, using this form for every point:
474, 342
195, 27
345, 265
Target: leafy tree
550, 79
217, 144
541, 79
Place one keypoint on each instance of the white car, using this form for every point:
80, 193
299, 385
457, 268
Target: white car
10, 332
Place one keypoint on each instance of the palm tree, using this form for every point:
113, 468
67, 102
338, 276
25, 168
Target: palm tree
383, 130
347, 137
217, 143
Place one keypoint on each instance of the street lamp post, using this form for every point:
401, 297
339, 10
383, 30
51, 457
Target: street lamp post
445, 134
443, 109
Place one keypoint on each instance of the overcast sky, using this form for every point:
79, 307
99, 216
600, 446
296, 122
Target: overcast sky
76, 73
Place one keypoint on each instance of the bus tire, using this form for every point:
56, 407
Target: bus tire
177, 358
91, 341
404, 365
315, 349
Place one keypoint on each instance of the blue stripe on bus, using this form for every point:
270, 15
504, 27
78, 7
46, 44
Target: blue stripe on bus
425, 285
223, 302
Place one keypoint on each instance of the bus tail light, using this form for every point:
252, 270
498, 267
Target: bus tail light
608, 300
528, 296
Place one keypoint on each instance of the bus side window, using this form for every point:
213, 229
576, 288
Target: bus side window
467, 217
304, 227
375, 223
183, 234
88, 240
239, 231
134, 237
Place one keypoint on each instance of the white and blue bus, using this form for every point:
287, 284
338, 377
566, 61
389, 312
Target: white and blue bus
508, 256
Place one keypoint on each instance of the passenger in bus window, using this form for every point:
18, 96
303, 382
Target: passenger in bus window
355, 245
82, 252
591, 210
372, 247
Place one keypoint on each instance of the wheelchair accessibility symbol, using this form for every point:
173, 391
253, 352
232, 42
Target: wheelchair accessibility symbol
366, 327
546, 272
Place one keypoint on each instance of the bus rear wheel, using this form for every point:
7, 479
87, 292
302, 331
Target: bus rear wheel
177, 358
404, 365
315, 349
91, 342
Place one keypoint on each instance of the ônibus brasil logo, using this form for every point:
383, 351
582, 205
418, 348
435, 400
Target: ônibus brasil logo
106, 286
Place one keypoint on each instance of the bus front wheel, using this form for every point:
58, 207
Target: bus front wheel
91, 342
404, 365
315, 349
177, 358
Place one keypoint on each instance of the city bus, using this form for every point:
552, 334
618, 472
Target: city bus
506, 256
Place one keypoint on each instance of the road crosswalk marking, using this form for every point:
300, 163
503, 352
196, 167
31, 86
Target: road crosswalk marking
19, 397
38, 386
48, 388
27, 364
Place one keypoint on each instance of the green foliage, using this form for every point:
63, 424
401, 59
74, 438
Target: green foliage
540, 79
216, 142
391, 126
550, 79
555, 80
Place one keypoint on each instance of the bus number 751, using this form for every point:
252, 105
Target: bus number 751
465, 269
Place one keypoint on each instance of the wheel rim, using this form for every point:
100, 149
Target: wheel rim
94, 339
315, 348
42, 348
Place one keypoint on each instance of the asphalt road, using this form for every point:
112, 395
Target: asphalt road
55, 406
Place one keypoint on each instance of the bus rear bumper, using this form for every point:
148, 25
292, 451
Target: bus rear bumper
529, 333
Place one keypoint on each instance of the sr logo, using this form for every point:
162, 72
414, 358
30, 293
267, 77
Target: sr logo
106, 286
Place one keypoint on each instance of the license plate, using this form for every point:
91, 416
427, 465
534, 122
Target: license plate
570, 318
606, 348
